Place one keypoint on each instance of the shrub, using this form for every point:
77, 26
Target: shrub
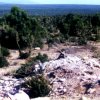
5, 51
41, 57
73, 39
82, 41
38, 43
3, 62
24, 55
25, 70
37, 87
28, 68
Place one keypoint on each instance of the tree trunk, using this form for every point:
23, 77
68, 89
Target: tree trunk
17, 41
31, 40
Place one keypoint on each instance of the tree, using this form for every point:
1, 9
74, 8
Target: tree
3, 61
96, 25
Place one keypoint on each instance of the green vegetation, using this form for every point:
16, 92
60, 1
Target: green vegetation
21, 30
5, 51
3, 62
37, 86
24, 55
18, 30
41, 58
28, 68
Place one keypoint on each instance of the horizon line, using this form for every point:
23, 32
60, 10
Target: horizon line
45, 4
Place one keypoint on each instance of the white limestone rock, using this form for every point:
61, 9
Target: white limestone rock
21, 95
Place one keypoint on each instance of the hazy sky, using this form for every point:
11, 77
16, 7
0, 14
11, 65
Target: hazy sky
97, 2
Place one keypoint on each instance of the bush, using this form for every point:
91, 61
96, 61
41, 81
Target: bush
3, 62
38, 43
28, 68
41, 57
24, 55
82, 41
37, 87
5, 51
25, 70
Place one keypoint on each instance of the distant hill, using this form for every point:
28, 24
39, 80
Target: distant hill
2, 3
38, 9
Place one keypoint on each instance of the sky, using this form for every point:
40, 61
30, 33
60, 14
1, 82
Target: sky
95, 2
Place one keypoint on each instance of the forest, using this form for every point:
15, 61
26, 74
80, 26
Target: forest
18, 26
19, 30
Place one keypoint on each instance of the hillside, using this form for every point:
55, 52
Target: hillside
51, 10
49, 57
69, 76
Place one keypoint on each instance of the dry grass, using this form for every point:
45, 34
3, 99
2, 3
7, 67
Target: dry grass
14, 63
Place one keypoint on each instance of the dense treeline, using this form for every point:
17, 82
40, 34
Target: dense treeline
72, 27
18, 29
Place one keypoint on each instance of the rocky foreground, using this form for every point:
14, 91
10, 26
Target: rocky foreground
72, 77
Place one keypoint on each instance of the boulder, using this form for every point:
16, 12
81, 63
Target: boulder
20, 95
92, 90
84, 98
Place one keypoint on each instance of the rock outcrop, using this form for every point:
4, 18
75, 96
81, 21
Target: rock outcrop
70, 76
10, 88
73, 75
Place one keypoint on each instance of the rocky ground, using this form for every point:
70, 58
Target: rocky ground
75, 76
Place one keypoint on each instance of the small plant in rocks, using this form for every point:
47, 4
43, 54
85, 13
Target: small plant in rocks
37, 87
25, 70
